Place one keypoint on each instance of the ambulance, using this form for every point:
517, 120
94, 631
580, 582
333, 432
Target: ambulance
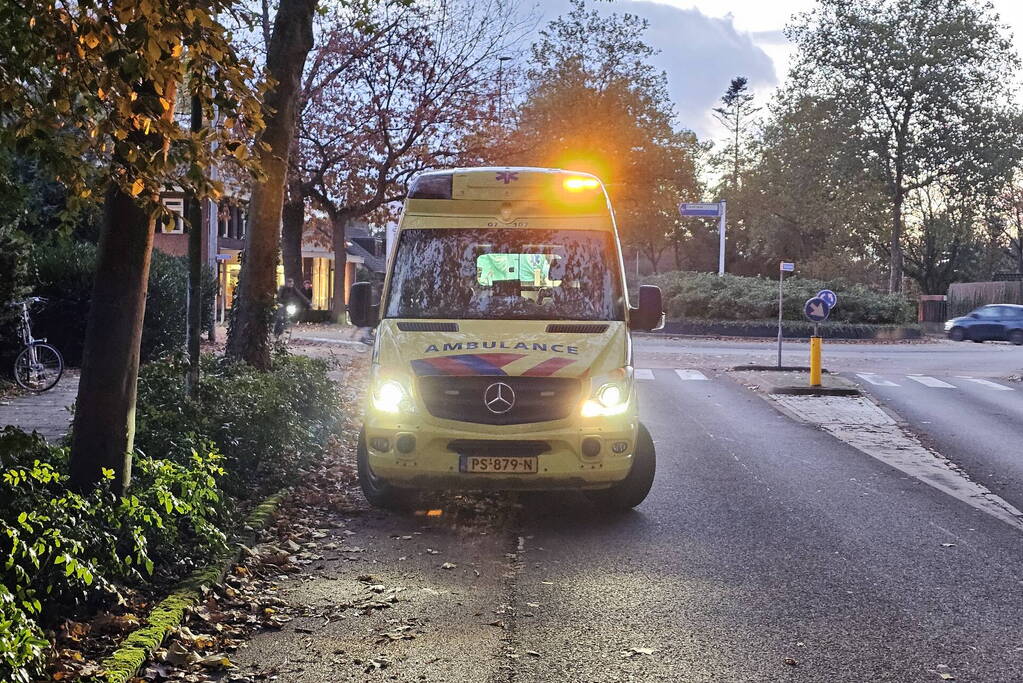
503, 357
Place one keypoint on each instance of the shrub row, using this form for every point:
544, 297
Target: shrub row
63, 273
198, 464
791, 329
268, 426
14, 252
689, 295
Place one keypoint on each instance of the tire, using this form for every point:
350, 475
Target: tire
1016, 337
42, 373
633, 490
957, 334
377, 491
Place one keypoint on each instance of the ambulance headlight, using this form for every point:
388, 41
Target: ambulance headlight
610, 394
389, 395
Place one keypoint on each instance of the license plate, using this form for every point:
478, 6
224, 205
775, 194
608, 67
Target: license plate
498, 464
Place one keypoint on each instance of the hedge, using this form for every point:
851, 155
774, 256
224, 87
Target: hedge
63, 273
791, 329
689, 295
14, 251
198, 464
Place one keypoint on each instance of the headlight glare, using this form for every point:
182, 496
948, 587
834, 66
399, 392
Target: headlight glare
610, 394
390, 396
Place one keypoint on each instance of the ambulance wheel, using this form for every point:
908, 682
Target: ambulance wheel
377, 491
633, 490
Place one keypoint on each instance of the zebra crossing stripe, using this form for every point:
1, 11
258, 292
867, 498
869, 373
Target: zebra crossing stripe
691, 375
987, 383
875, 380
644, 373
930, 381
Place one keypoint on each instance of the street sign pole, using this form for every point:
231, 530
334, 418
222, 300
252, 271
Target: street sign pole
721, 239
781, 276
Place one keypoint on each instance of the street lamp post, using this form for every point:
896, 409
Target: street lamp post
500, 87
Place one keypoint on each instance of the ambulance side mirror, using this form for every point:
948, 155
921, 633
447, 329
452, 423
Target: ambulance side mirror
649, 315
361, 310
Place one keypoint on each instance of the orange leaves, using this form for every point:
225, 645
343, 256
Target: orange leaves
137, 187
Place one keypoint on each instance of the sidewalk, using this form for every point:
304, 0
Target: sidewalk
47, 413
328, 334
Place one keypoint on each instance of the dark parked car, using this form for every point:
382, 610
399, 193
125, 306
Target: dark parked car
999, 322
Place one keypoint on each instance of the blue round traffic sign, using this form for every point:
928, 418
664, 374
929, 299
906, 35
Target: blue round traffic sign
830, 298
816, 309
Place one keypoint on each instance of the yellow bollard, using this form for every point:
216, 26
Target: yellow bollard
815, 361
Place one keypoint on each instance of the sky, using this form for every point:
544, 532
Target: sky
705, 43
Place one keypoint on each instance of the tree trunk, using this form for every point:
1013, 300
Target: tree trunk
292, 38
895, 261
103, 435
292, 225
339, 228
193, 321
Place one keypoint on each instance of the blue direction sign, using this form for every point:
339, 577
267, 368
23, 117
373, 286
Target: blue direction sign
816, 309
697, 209
830, 298
787, 266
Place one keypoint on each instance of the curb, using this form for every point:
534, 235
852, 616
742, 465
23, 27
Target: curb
814, 391
775, 368
126, 661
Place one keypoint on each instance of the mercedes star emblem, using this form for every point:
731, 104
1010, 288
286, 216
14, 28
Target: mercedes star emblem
499, 398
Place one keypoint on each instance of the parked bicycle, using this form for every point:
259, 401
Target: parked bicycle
39, 366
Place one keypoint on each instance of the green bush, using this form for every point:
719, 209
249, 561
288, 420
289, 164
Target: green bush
61, 551
268, 426
64, 272
22, 646
690, 295
14, 250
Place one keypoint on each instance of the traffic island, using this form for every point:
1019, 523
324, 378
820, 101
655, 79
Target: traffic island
794, 382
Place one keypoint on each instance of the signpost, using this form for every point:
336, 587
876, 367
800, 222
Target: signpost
818, 309
710, 210
784, 267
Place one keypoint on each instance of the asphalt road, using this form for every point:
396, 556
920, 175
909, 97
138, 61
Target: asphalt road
765, 539
993, 359
976, 422
767, 550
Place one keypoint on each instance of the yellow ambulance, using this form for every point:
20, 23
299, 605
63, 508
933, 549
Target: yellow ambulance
502, 357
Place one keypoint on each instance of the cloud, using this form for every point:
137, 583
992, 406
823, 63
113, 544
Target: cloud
700, 55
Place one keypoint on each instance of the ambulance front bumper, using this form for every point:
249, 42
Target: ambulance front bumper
431, 453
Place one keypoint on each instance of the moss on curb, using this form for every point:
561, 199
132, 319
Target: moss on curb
125, 662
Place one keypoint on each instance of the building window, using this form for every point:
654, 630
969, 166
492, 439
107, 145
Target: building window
174, 222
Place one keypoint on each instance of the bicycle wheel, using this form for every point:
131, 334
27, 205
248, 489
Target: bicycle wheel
38, 367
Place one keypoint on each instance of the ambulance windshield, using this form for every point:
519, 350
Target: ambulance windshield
509, 274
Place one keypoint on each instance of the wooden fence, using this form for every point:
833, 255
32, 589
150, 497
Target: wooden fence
963, 297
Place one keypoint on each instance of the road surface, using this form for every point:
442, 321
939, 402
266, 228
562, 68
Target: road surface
768, 549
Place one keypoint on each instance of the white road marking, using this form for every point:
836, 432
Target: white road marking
988, 383
875, 380
691, 375
930, 381
644, 373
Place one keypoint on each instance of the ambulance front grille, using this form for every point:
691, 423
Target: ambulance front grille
537, 399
